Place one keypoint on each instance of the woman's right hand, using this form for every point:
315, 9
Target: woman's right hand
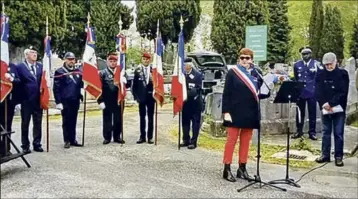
227, 117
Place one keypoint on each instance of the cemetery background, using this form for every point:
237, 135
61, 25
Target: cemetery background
274, 115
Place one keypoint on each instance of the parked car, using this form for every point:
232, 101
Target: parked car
213, 67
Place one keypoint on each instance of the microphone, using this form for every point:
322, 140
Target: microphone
258, 72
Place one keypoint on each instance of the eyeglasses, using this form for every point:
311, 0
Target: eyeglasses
247, 58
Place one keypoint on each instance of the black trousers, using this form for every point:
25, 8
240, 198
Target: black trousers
312, 105
29, 109
191, 117
112, 118
147, 109
10, 116
69, 120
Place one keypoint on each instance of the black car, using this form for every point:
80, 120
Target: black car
212, 66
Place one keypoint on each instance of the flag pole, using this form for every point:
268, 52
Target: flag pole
85, 97
156, 102
181, 22
47, 114
122, 103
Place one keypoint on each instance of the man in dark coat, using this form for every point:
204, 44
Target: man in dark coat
108, 102
30, 73
12, 101
192, 106
332, 93
142, 89
305, 71
67, 92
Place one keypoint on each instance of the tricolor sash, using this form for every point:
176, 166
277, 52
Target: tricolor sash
247, 79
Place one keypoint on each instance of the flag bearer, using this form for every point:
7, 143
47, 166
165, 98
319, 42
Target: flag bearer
67, 92
108, 102
192, 106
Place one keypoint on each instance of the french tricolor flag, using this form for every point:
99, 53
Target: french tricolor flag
158, 76
90, 76
119, 78
179, 93
5, 85
45, 79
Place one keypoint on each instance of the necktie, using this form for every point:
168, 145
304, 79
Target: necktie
33, 70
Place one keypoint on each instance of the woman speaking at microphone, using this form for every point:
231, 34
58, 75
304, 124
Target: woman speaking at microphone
240, 108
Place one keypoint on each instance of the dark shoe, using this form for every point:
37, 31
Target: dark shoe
120, 141
184, 144
313, 137
192, 146
150, 141
339, 162
106, 141
323, 159
140, 141
227, 175
38, 149
67, 145
242, 173
297, 135
26, 151
75, 143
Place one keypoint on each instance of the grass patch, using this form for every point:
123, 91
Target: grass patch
217, 144
355, 123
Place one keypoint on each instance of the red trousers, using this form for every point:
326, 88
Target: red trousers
232, 136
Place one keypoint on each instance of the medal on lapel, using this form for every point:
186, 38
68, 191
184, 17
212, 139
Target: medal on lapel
110, 76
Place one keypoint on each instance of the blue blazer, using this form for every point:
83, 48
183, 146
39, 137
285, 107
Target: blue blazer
306, 74
30, 84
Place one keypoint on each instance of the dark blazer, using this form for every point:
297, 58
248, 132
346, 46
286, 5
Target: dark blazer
193, 84
109, 89
306, 74
332, 87
30, 84
140, 89
240, 102
67, 85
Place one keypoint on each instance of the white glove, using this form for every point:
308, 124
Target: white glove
83, 92
227, 117
18, 108
59, 107
9, 77
102, 106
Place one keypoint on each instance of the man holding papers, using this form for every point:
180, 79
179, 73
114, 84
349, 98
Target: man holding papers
331, 93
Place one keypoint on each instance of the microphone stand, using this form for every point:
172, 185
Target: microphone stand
257, 176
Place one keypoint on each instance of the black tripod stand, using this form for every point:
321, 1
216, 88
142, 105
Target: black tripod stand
288, 93
257, 176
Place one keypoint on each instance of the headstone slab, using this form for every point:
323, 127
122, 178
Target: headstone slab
352, 91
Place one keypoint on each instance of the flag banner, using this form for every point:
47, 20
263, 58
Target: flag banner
90, 76
46, 73
158, 76
179, 93
5, 85
119, 73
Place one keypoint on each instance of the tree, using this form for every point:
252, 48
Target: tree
278, 44
29, 29
229, 21
332, 40
168, 13
315, 27
353, 47
105, 15
72, 17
